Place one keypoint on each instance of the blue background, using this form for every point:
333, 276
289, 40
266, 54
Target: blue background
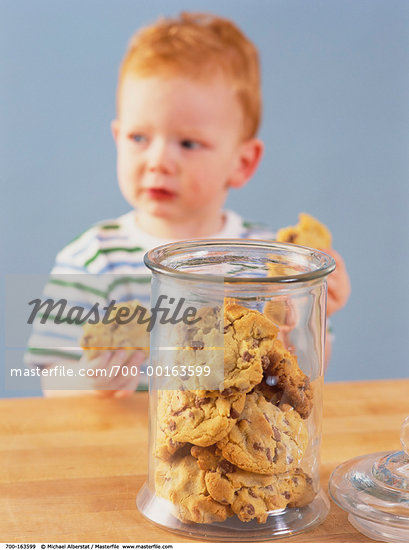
335, 125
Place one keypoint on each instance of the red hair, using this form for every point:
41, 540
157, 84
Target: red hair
197, 46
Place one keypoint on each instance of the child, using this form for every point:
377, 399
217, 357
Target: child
188, 111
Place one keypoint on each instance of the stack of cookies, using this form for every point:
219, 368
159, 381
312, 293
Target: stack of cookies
236, 450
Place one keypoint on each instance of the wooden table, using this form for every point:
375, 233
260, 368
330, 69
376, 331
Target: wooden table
70, 467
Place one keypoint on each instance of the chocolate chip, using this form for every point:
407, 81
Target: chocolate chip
275, 359
277, 435
291, 237
197, 344
189, 333
226, 467
233, 413
265, 362
269, 457
247, 356
295, 480
257, 446
179, 412
252, 493
255, 344
199, 401
286, 495
305, 386
172, 426
227, 392
248, 509
290, 460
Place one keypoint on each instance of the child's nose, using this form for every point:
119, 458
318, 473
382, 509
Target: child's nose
161, 157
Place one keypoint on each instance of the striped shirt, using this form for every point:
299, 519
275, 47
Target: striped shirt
102, 264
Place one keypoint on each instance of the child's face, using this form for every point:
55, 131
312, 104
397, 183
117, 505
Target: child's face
179, 146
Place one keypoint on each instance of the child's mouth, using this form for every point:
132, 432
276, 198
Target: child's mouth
160, 194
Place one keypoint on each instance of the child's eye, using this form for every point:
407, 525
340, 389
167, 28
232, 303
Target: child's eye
190, 144
138, 138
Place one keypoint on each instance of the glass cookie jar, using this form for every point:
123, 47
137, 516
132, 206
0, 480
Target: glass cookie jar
236, 364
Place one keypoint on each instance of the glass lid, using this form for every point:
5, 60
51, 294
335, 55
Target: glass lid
374, 490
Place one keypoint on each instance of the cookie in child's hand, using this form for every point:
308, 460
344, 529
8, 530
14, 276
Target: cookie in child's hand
114, 335
308, 232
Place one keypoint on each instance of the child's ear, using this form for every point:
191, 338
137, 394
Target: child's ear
115, 129
249, 157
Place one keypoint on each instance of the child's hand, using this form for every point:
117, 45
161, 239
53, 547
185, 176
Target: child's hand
108, 381
339, 287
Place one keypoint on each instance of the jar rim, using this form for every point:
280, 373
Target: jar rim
154, 260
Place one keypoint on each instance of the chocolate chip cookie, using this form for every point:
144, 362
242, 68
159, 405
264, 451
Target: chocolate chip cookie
308, 232
183, 483
235, 352
266, 439
201, 418
114, 335
248, 336
165, 446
